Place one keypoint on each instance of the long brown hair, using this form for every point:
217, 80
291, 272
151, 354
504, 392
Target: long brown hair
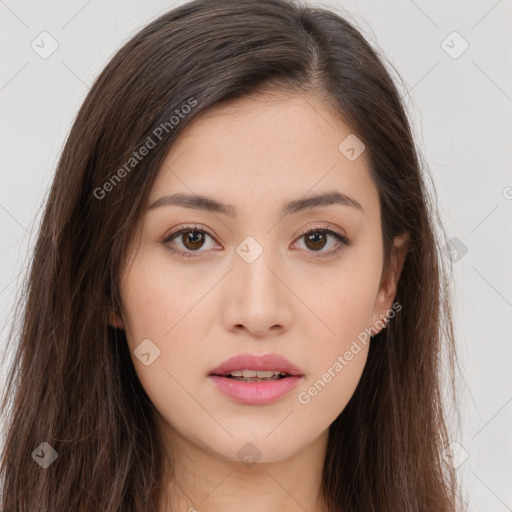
72, 383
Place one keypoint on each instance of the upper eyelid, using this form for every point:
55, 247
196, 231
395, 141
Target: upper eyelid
185, 228
341, 238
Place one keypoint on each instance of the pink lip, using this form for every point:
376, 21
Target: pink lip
256, 362
255, 393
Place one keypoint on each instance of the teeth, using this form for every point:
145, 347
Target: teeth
247, 374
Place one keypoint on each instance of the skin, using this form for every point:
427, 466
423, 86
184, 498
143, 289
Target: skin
255, 153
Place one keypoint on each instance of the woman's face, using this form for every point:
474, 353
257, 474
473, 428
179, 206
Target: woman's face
250, 281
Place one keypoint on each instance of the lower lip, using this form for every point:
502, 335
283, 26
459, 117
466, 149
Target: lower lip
255, 393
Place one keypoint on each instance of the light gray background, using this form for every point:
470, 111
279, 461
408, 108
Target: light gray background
462, 114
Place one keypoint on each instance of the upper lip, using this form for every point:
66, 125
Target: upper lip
264, 362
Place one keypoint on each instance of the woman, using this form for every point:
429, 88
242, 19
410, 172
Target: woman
236, 297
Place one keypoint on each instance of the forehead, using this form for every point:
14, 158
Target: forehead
267, 146
253, 125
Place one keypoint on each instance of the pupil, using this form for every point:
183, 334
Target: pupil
314, 238
193, 239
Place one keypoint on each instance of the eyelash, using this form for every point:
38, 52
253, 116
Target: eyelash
342, 240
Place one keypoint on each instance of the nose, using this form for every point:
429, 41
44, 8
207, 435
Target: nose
258, 298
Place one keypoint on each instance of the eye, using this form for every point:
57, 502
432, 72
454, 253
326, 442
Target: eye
316, 239
192, 239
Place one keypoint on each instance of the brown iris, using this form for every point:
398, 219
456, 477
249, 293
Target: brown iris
317, 239
193, 239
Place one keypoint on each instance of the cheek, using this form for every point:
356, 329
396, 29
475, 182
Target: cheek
325, 394
164, 306
338, 345
342, 300
337, 359
345, 344
157, 296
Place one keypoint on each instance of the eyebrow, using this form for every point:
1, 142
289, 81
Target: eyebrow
199, 202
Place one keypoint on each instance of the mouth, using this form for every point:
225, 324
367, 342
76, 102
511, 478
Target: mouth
256, 366
255, 379
253, 375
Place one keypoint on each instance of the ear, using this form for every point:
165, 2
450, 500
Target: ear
114, 319
389, 281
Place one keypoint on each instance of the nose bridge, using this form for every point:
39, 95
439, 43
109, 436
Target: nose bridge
256, 278
258, 300
257, 284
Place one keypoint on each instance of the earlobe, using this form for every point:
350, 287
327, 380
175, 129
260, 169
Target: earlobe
114, 320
